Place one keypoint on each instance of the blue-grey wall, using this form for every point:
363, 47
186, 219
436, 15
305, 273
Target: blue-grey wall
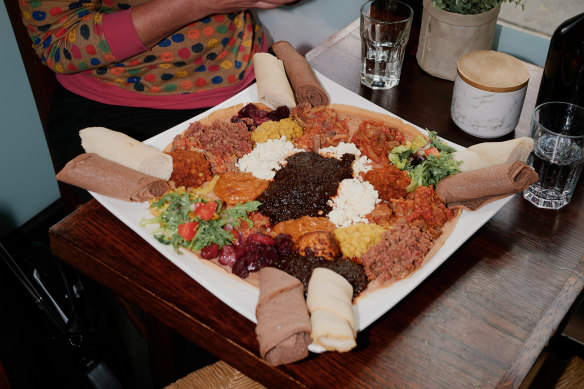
28, 182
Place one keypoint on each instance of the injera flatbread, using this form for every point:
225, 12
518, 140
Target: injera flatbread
120, 148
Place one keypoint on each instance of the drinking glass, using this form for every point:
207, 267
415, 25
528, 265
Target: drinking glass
557, 129
385, 30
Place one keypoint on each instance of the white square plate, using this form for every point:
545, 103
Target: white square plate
242, 297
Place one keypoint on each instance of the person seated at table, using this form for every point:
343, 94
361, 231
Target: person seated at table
140, 66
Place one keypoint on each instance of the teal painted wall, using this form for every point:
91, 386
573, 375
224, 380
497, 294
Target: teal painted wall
28, 182
528, 47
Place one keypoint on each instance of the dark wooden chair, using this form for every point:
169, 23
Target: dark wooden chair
42, 82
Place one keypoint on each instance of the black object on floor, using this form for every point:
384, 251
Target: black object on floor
100, 344
57, 330
55, 333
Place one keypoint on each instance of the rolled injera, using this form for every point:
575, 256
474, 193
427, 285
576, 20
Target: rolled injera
283, 329
330, 303
92, 172
473, 189
120, 148
306, 86
273, 86
488, 154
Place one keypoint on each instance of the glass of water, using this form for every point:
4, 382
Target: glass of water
385, 30
557, 129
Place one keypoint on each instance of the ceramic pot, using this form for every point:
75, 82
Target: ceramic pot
488, 94
447, 36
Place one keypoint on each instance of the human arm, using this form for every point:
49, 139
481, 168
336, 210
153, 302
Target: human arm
72, 36
157, 19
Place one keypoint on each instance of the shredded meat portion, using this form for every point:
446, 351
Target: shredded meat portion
423, 208
322, 127
222, 143
376, 140
401, 251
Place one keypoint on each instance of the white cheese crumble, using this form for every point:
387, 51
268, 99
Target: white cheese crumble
267, 158
353, 201
361, 164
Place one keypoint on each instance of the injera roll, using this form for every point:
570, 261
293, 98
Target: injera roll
488, 154
473, 189
283, 329
125, 150
330, 303
273, 87
306, 86
92, 172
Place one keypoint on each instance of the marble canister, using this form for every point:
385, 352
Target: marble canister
488, 95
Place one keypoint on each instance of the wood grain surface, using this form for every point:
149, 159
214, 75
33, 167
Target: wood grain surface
480, 320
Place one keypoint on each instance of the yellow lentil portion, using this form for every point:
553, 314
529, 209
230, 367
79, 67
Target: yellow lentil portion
356, 239
275, 130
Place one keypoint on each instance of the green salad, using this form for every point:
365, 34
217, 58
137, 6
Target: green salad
426, 161
193, 222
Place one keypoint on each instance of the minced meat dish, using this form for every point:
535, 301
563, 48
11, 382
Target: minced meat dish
401, 251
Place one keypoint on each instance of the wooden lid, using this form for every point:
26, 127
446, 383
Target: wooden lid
493, 71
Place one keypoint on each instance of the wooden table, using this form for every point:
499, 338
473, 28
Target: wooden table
481, 320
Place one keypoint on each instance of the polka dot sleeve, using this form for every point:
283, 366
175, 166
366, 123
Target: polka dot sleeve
121, 35
68, 36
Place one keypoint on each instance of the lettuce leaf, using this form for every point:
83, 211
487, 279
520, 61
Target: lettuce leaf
175, 208
432, 169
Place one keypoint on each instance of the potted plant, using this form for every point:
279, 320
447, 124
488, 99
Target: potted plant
452, 28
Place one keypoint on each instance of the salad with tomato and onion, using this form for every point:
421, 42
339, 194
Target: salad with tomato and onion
426, 160
189, 220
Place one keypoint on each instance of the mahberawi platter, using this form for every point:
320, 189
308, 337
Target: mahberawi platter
242, 296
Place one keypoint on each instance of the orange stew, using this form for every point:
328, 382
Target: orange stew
303, 225
236, 188
388, 181
189, 168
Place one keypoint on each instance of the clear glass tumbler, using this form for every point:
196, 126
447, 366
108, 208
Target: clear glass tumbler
557, 129
385, 30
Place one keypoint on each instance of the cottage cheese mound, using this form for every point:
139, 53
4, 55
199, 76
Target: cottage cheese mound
267, 158
361, 164
354, 200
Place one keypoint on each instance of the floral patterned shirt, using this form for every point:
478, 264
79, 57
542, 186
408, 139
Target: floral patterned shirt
95, 51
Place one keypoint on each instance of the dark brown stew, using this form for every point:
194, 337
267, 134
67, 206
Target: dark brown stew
304, 186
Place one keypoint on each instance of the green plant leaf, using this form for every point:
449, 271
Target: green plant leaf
472, 7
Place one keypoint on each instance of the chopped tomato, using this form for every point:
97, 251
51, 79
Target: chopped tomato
207, 210
188, 230
432, 151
